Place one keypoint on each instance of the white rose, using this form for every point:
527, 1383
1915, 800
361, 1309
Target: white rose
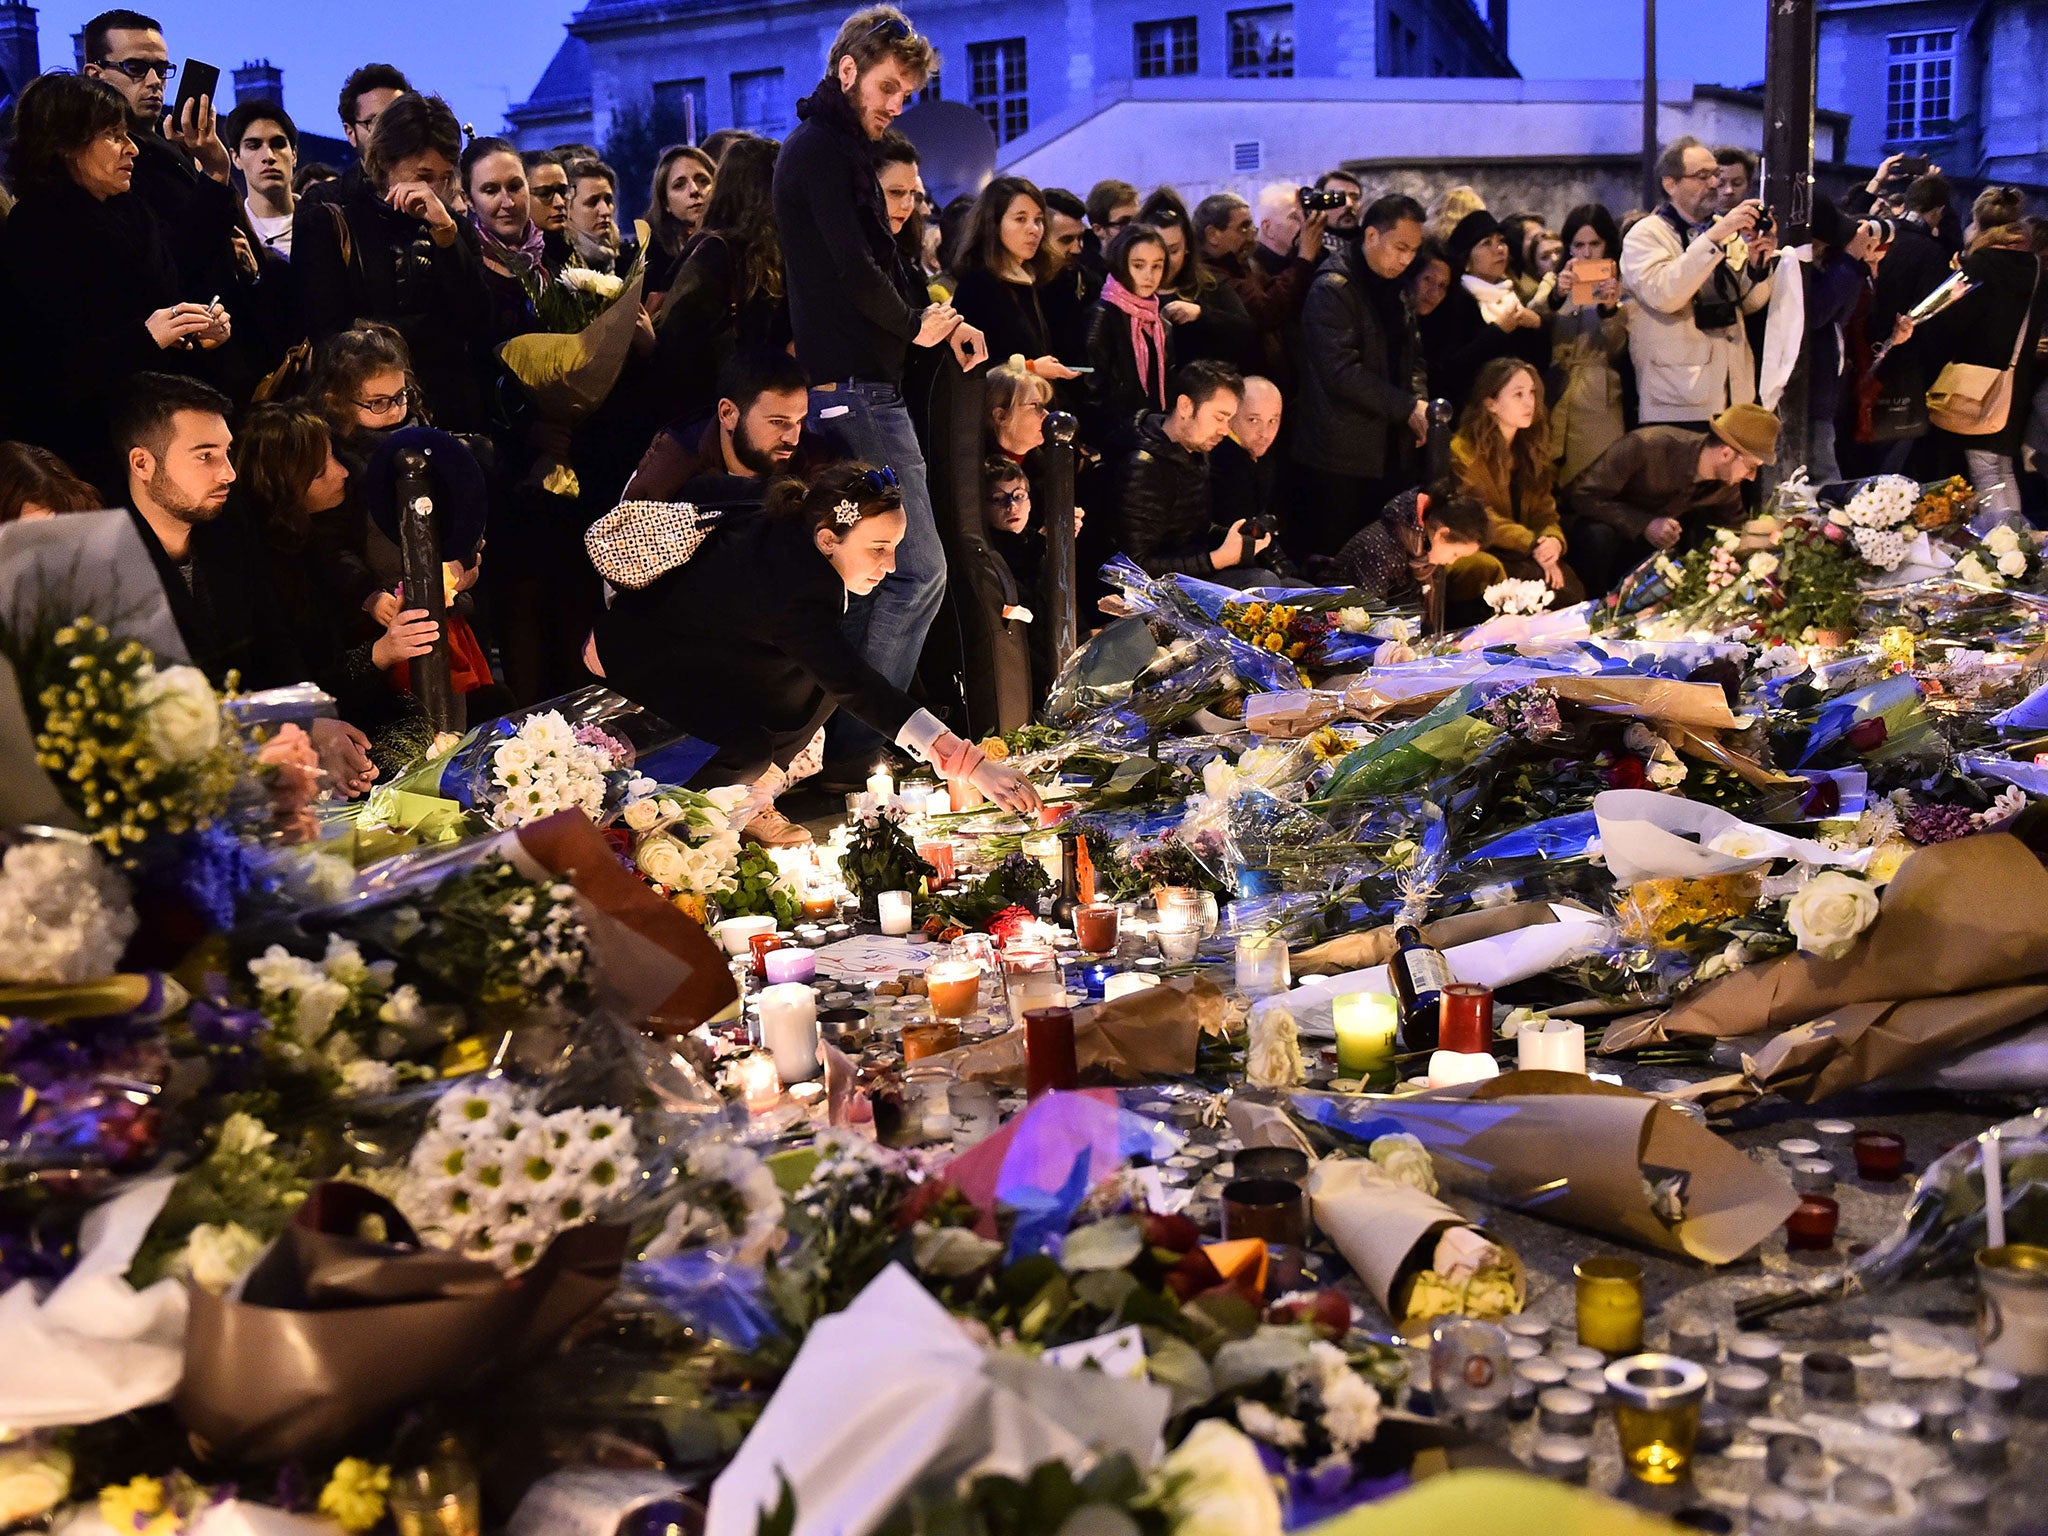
1213, 1484
1763, 564
180, 714
1273, 1057
1971, 569
369, 1079
1741, 843
1829, 912
2002, 540
33, 1481
662, 860
216, 1257
2012, 563
1405, 1158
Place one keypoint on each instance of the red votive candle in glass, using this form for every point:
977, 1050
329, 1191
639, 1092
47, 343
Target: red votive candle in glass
1466, 1015
1880, 1156
760, 944
1096, 928
1812, 1225
1049, 1062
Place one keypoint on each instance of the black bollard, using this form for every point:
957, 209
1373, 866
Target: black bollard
420, 550
1061, 597
1438, 453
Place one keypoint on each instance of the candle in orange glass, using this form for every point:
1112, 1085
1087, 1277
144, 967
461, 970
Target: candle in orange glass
954, 987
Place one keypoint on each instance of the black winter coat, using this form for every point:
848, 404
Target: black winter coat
702, 323
435, 296
1467, 343
231, 616
1225, 333
1357, 384
1913, 267
853, 303
1113, 398
198, 216
742, 647
82, 278
1007, 314
1982, 327
1167, 521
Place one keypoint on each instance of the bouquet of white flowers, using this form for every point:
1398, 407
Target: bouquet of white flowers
684, 843
64, 915
545, 766
1518, 597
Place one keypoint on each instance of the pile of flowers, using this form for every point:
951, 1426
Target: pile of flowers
496, 1179
683, 842
1876, 517
1282, 628
546, 766
1518, 597
65, 916
2003, 555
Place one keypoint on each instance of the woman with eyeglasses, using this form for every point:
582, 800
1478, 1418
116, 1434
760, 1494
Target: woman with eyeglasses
408, 261
547, 190
93, 284
675, 212
741, 645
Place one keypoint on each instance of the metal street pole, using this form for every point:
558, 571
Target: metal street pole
1787, 191
1653, 191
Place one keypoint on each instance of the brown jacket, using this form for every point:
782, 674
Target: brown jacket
1653, 472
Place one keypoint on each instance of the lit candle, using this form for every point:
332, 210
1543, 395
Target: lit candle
1610, 1304
938, 802
789, 1028
786, 965
1045, 848
1367, 1025
760, 1085
894, 909
954, 986
1449, 1067
881, 785
1261, 964
1124, 983
1551, 1045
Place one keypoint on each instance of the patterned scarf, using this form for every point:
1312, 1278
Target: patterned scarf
531, 250
1145, 326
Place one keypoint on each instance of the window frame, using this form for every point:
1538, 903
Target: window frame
1244, 64
1005, 105
1913, 74
1169, 32
773, 79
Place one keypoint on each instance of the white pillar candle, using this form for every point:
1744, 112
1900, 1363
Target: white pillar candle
1262, 967
881, 785
1449, 1067
893, 907
939, 802
789, 1028
1551, 1045
1124, 983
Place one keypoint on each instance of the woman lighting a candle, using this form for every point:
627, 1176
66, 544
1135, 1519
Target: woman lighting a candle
741, 645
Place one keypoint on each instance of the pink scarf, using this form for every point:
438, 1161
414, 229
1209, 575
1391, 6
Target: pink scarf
1145, 324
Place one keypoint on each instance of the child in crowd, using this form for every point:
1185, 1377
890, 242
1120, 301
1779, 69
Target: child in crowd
1398, 558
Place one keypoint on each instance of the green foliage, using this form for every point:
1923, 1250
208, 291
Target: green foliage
1016, 882
881, 857
758, 890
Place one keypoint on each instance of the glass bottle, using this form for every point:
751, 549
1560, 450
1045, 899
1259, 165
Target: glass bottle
1419, 974
1069, 903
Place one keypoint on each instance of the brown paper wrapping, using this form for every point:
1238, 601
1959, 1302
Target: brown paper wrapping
651, 952
1377, 1223
1362, 951
570, 376
1958, 953
1702, 706
1292, 715
332, 1331
1560, 1146
1147, 1034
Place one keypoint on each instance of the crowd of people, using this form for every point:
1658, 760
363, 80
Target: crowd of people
234, 346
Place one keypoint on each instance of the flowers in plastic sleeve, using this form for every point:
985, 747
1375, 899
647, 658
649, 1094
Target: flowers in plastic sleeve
499, 941
64, 916
135, 751
493, 1178
225, 1208
729, 1199
683, 841
1518, 597
1828, 913
546, 766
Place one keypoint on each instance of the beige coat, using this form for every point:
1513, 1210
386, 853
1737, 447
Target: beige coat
1682, 372
1587, 419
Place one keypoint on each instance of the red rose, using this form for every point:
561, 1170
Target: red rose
1824, 799
1627, 773
1004, 924
1868, 735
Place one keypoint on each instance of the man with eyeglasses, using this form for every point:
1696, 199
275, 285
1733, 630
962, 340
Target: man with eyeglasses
366, 92
1692, 276
857, 308
1110, 206
263, 143
181, 169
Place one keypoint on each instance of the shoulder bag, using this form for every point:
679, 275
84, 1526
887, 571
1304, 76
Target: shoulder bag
1972, 400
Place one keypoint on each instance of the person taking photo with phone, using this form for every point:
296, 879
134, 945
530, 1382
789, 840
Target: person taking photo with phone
1588, 339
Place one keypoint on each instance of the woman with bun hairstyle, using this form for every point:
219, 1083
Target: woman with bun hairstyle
741, 645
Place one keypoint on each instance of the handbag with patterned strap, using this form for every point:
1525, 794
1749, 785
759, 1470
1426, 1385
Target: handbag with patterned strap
1972, 400
638, 541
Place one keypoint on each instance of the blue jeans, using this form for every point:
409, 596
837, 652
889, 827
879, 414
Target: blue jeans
888, 628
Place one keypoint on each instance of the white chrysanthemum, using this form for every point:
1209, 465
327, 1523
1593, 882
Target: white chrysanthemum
64, 916
1884, 502
1518, 597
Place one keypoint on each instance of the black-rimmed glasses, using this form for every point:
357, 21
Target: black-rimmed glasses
140, 70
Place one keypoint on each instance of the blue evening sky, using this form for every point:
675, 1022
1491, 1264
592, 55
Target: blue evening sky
485, 54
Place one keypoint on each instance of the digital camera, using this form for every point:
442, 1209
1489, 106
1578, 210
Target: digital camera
1313, 201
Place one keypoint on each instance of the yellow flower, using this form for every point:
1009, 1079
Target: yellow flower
354, 1495
128, 1506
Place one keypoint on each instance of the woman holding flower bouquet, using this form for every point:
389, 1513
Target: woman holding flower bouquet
741, 646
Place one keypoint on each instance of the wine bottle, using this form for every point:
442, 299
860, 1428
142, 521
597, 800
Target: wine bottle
1419, 974
1069, 901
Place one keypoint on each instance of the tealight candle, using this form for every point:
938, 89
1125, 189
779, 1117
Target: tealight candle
1262, 967
1124, 983
789, 1028
1797, 1149
760, 1086
1880, 1156
954, 987
1367, 1024
893, 907
1551, 1045
1449, 1067
786, 965
1811, 1226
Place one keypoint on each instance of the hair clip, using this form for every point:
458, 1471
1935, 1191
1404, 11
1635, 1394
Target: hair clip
846, 514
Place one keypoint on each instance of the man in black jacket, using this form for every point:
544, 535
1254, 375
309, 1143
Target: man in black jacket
856, 310
1168, 519
369, 90
181, 169
1916, 262
1363, 392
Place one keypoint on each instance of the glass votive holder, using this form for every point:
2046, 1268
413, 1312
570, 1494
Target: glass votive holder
929, 1037
954, 986
760, 946
1262, 964
1050, 1064
1880, 1156
1271, 1210
1610, 1304
1032, 979
439, 1499
1657, 1413
1368, 1027
789, 964
2012, 1308
1097, 927
940, 857
1811, 1226
892, 909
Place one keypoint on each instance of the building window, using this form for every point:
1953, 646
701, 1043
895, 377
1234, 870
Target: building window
1918, 81
759, 102
1000, 90
1165, 47
1404, 46
1262, 43
931, 89
684, 104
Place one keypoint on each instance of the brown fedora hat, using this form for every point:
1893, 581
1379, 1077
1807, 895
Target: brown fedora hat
1748, 429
